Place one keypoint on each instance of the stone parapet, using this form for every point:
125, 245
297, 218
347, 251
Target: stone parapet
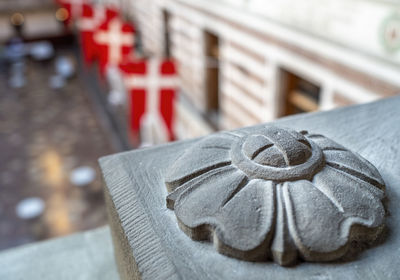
166, 203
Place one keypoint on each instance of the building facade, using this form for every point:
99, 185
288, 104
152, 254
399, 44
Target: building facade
242, 62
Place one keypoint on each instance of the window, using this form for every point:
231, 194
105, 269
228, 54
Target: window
167, 42
298, 94
212, 76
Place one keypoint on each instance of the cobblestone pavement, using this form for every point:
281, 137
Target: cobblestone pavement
44, 135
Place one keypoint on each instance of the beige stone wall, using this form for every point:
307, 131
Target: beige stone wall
189, 125
241, 104
188, 50
243, 85
148, 18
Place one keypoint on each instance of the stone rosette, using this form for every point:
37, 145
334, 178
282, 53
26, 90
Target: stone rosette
276, 194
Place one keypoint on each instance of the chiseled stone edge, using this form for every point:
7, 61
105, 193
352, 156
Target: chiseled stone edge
131, 243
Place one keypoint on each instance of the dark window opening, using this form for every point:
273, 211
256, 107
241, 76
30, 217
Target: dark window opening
212, 76
167, 40
299, 95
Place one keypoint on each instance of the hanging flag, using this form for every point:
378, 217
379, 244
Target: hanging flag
114, 40
111, 12
152, 85
92, 17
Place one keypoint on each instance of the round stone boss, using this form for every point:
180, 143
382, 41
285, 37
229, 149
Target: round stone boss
276, 194
277, 154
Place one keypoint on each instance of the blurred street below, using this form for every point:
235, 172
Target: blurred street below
50, 141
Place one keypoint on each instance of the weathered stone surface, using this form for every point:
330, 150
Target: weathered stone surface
152, 246
82, 256
276, 192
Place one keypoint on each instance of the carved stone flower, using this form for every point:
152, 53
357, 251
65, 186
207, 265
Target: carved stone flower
275, 194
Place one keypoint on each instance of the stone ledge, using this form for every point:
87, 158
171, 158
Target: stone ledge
160, 250
87, 255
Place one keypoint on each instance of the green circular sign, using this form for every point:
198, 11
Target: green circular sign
390, 32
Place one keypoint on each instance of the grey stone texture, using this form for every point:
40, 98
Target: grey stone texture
148, 238
276, 193
82, 256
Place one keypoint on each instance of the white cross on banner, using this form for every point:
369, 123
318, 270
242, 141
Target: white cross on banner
153, 129
91, 23
115, 39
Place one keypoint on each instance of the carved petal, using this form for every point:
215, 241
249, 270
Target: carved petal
325, 143
208, 154
203, 198
222, 205
356, 165
248, 226
351, 196
314, 220
321, 215
283, 250
192, 184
